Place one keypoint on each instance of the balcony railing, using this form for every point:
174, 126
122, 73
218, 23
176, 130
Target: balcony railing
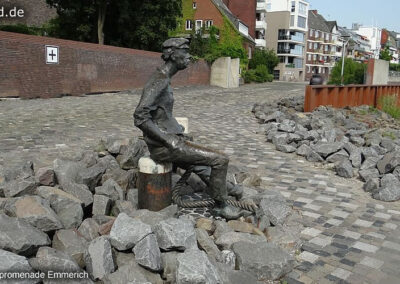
289, 51
261, 42
290, 38
261, 25
261, 6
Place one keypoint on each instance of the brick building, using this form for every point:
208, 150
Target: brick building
212, 12
323, 46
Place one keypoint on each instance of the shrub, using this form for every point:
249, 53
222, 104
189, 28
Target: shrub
259, 75
394, 67
389, 105
353, 72
264, 57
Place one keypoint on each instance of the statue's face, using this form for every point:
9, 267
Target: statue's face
181, 57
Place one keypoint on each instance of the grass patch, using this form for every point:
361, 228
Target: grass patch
389, 105
389, 135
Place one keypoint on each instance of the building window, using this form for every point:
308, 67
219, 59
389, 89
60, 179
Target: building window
309, 57
292, 20
315, 45
208, 23
293, 6
189, 25
301, 22
250, 53
194, 5
310, 45
317, 34
269, 6
308, 69
302, 9
314, 57
199, 25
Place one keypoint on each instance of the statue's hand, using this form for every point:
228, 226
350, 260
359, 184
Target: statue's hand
172, 141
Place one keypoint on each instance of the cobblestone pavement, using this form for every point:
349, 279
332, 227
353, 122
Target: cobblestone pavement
349, 237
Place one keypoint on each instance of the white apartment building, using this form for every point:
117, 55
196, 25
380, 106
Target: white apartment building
286, 34
261, 24
374, 35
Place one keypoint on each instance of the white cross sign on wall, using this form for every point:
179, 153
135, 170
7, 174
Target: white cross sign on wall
51, 54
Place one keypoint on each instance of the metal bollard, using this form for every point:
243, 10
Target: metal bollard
154, 185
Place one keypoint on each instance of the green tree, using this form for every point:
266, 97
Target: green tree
138, 24
266, 57
353, 72
385, 54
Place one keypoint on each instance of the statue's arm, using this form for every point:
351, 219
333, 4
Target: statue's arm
143, 118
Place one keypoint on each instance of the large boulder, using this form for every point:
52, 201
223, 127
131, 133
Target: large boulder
147, 253
175, 234
207, 244
169, 260
101, 205
125, 179
111, 189
20, 237
128, 273
45, 176
344, 169
275, 208
89, 229
129, 159
326, 149
337, 157
228, 239
194, 267
389, 162
72, 243
126, 232
390, 190
355, 154
67, 207
91, 176
19, 187
264, 260
49, 259
67, 171
80, 191
11, 262
98, 258
34, 210
228, 275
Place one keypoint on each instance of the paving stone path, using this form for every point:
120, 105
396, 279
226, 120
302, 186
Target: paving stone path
349, 237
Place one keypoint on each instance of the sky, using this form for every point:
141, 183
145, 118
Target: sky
381, 13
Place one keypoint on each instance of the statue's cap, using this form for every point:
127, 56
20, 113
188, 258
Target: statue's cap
176, 43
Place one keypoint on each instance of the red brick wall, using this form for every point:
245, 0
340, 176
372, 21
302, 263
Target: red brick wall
83, 68
206, 10
245, 11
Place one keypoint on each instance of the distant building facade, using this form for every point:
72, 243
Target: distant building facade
373, 34
286, 35
324, 46
358, 46
207, 13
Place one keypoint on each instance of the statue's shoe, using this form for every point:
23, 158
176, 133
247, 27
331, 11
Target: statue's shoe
229, 212
234, 190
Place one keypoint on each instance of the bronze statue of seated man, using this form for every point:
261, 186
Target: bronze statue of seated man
164, 135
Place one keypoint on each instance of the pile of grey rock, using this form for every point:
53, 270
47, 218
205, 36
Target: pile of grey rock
81, 215
335, 137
